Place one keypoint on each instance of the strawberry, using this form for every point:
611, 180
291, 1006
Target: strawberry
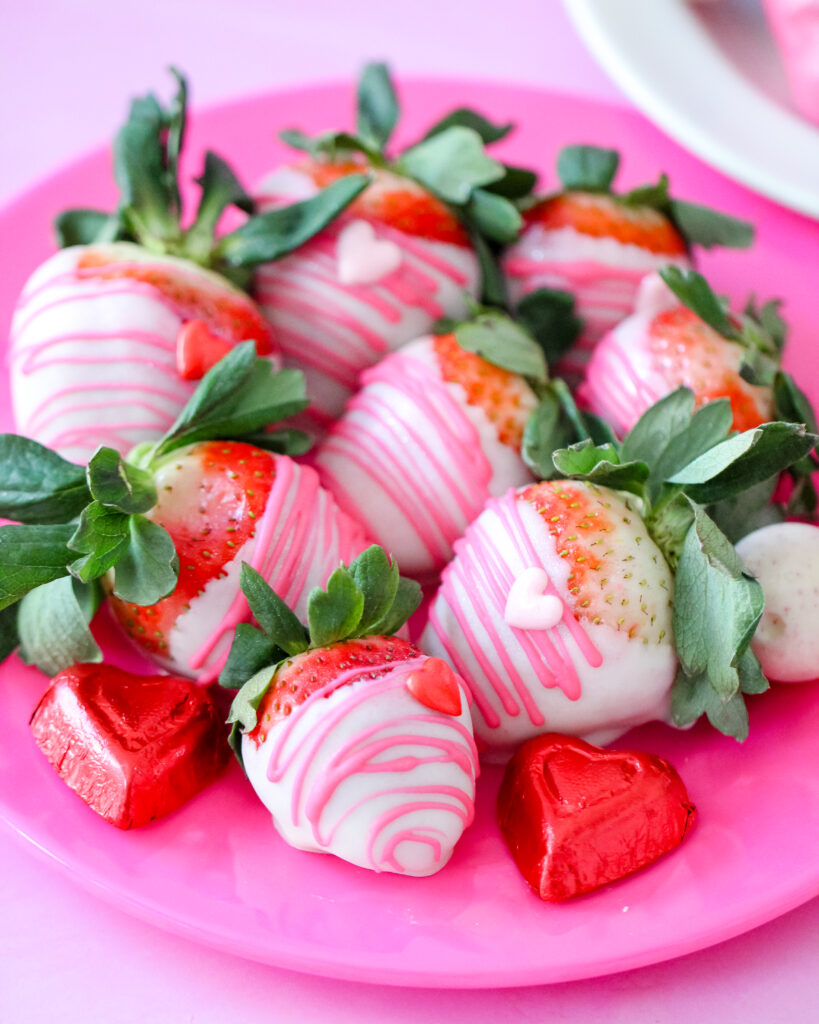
102, 345
434, 431
166, 531
401, 255
598, 244
576, 817
358, 744
665, 345
576, 604
134, 748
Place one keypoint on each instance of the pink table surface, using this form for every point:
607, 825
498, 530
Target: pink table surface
65, 73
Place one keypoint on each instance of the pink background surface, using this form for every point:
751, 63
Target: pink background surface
66, 72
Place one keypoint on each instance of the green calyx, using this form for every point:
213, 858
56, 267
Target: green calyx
593, 169
368, 597
690, 472
451, 162
86, 523
146, 155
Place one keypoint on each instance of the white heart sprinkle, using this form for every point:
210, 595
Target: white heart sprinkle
362, 257
528, 607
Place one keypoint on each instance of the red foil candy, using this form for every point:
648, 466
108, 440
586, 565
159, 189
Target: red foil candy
132, 747
577, 817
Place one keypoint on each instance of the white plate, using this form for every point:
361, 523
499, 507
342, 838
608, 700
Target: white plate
708, 74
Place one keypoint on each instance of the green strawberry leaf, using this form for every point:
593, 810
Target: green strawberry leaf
549, 316
748, 511
707, 427
37, 485
331, 146
148, 568
83, 227
464, 117
335, 612
717, 607
792, 404
656, 196
101, 537
115, 483
664, 420
758, 368
250, 652
499, 340
9, 635
600, 464
283, 442
220, 189
700, 225
557, 423
279, 624
669, 523
451, 164
493, 282
693, 697
53, 623
769, 319
246, 702
587, 168
516, 183
746, 459
406, 602
694, 292
377, 106
275, 233
377, 578
494, 216
31, 555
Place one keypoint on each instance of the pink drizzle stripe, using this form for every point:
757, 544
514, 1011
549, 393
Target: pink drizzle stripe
413, 461
302, 535
364, 754
474, 589
614, 389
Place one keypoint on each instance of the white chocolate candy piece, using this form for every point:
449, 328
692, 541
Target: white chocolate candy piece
528, 607
784, 558
364, 258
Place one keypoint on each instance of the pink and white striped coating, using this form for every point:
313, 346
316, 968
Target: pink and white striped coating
581, 679
93, 361
413, 461
364, 771
331, 330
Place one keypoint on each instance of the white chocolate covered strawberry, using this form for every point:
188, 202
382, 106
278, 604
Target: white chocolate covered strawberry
598, 244
434, 431
357, 743
110, 333
400, 257
784, 557
609, 597
667, 343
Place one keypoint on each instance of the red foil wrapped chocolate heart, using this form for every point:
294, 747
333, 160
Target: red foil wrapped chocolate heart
577, 817
132, 747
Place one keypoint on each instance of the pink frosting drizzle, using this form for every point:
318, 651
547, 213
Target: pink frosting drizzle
475, 586
363, 754
413, 461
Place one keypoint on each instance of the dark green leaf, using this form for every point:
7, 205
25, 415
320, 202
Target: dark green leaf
600, 464
250, 652
652, 433
407, 599
377, 106
557, 423
700, 225
758, 368
500, 341
37, 485
717, 607
493, 283
247, 700
84, 226
31, 556
9, 637
792, 404
464, 117
114, 482
709, 426
655, 196
587, 168
451, 165
284, 442
692, 697
175, 123
746, 459
148, 568
495, 217
749, 511
275, 233
669, 524
220, 189
102, 538
751, 677
549, 316
335, 612
516, 183
274, 617
53, 624
694, 292
377, 579
331, 146
770, 320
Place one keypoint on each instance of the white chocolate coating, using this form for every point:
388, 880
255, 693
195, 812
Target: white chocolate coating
784, 557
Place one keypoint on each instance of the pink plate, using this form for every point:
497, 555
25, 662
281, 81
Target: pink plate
217, 872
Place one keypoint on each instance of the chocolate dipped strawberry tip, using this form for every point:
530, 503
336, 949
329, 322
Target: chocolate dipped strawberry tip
592, 170
146, 155
687, 470
367, 600
78, 526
